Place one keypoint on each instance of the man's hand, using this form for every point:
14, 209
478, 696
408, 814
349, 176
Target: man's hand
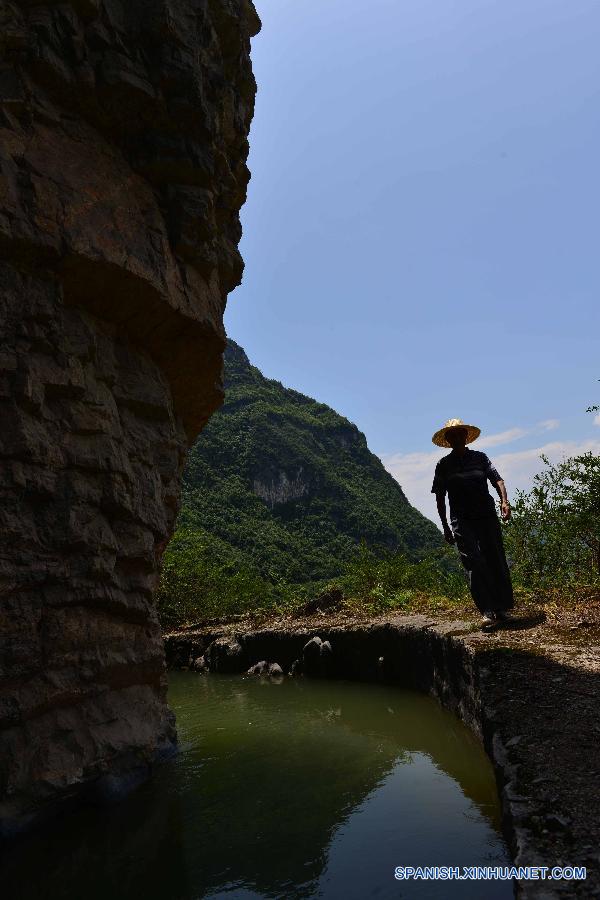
440, 498
504, 504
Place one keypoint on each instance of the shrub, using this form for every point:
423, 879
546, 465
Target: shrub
553, 538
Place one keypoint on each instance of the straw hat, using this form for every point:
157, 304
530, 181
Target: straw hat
439, 437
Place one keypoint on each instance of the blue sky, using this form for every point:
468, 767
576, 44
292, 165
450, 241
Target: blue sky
421, 229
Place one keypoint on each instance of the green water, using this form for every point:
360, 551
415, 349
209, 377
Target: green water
294, 790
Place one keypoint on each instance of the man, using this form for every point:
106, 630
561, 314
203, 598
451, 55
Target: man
463, 475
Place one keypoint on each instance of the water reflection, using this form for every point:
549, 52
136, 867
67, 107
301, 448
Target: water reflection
294, 790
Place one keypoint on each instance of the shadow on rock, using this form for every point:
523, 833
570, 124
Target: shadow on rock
522, 624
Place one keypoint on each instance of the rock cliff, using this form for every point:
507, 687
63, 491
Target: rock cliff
123, 147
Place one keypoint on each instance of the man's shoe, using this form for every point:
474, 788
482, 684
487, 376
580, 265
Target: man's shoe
503, 616
488, 619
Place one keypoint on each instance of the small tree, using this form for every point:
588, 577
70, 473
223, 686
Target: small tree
554, 536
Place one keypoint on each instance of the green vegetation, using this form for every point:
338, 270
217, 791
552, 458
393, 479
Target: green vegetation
202, 580
553, 537
284, 502
553, 540
385, 581
278, 494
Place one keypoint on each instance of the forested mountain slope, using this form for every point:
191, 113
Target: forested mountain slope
288, 486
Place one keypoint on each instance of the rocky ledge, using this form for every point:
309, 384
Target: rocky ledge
529, 692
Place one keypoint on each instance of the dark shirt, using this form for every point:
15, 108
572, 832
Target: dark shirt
464, 478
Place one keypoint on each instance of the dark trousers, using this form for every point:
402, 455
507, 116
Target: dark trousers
479, 543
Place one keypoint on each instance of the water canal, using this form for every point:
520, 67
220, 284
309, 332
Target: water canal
298, 789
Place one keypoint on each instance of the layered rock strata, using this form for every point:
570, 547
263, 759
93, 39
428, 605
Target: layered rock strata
123, 147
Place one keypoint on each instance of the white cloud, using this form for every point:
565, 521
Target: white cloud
502, 437
518, 469
513, 434
414, 471
597, 419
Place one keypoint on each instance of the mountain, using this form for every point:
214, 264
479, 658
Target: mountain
288, 487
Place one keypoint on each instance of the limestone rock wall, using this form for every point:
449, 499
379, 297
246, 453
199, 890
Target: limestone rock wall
278, 487
123, 147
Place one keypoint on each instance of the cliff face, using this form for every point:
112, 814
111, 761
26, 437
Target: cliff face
123, 146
